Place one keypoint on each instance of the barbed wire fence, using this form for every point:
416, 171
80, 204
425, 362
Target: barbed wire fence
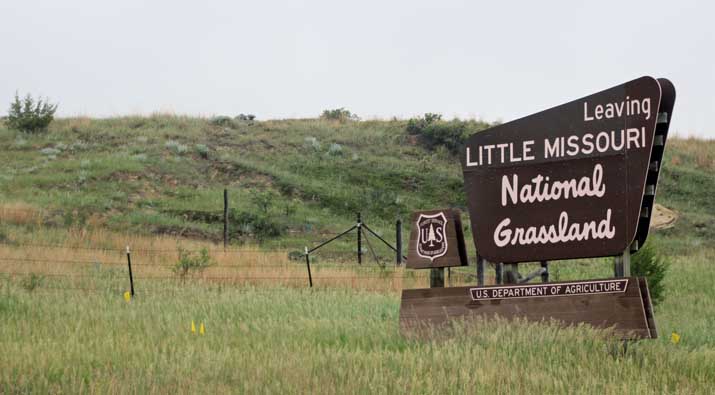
146, 265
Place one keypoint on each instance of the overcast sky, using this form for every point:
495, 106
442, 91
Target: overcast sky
493, 60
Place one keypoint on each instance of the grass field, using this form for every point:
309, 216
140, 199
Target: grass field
330, 339
72, 199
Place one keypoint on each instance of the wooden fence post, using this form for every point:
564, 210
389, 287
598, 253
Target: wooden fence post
225, 219
398, 241
359, 239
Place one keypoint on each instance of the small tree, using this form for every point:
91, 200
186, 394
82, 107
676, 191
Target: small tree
649, 263
29, 116
190, 262
339, 114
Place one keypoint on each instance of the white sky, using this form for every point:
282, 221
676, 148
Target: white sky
278, 59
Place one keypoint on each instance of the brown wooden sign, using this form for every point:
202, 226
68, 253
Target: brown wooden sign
623, 304
568, 182
436, 240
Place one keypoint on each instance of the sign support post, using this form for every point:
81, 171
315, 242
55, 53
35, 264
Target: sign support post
511, 273
622, 266
545, 272
481, 263
436, 277
499, 273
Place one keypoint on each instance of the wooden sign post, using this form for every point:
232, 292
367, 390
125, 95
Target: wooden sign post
574, 181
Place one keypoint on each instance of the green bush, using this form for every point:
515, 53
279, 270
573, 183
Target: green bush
30, 116
649, 263
32, 282
202, 150
263, 199
190, 262
259, 225
339, 114
434, 132
222, 120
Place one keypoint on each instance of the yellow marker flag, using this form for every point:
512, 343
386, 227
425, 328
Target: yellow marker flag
127, 296
193, 327
201, 329
675, 337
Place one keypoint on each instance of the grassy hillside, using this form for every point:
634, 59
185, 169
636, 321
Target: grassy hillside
291, 182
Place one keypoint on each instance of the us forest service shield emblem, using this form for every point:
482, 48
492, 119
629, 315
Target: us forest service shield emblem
432, 240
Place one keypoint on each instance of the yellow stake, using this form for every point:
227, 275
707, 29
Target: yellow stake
193, 327
675, 337
201, 329
127, 296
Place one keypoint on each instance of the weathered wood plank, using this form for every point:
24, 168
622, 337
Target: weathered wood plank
627, 311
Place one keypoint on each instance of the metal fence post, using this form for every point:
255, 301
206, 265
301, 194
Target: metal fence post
307, 264
131, 277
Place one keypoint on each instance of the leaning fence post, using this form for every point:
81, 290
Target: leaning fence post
131, 278
398, 241
307, 264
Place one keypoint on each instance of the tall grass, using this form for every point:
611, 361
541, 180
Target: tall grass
287, 340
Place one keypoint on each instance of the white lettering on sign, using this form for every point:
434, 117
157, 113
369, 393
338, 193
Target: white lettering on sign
500, 153
537, 187
562, 232
588, 144
542, 189
629, 107
549, 290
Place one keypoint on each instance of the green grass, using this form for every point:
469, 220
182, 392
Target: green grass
120, 174
290, 340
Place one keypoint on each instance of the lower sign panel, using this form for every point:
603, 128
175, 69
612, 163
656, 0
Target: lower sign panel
623, 304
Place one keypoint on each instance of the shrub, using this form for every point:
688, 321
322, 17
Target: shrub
339, 114
259, 225
28, 115
176, 147
190, 262
32, 282
335, 149
312, 143
263, 199
222, 120
434, 132
202, 150
245, 117
649, 263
